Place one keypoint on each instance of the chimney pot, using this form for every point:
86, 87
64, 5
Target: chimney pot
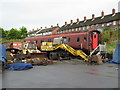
51, 25
65, 23
57, 24
77, 20
45, 27
41, 27
84, 18
93, 16
102, 14
71, 21
113, 11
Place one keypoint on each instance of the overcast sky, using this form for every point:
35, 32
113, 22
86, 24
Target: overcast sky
34, 14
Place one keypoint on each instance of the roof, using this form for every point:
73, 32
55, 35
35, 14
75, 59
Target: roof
32, 32
97, 20
48, 29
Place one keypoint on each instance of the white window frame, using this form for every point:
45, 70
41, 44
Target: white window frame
83, 28
80, 28
72, 29
96, 25
92, 26
114, 22
69, 30
88, 27
103, 25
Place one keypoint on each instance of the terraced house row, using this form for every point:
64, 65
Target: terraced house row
111, 21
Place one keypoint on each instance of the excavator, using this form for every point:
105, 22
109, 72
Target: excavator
59, 49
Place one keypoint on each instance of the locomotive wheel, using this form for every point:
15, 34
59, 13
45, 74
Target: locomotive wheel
97, 59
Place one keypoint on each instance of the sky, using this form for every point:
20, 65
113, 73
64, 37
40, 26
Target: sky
34, 14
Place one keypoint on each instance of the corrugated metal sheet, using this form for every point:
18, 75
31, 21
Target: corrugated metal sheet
2, 53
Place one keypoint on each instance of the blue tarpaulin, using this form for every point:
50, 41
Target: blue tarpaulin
19, 66
116, 56
2, 53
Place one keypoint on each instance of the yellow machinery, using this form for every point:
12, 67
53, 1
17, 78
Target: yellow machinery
48, 46
30, 47
55, 51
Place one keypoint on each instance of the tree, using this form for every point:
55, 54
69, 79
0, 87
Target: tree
13, 34
2, 33
23, 31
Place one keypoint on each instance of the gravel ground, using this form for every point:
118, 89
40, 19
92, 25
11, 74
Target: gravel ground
64, 74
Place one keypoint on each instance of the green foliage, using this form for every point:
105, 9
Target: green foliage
2, 33
23, 32
111, 39
12, 40
14, 33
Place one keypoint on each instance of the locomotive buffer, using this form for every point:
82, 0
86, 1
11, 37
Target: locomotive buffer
58, 48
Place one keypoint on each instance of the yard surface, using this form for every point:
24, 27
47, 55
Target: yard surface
64, 74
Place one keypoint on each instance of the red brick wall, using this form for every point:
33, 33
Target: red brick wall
55, 30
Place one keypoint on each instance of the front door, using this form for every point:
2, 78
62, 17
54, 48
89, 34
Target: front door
95, 41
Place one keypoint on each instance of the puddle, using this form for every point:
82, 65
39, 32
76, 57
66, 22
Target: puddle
109, 66
93, 73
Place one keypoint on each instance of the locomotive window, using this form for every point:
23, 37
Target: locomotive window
36, 41
85, 39
78, 39
94, 32
94, 36
68, 39
49, 40
42, 41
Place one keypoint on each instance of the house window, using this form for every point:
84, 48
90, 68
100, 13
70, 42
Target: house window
69, 30
96, 25
72, 29
83, 28
92, 26
114, 22
108, 24
102, 25
88, 27
79, 28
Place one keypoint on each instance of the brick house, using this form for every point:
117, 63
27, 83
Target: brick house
33, 32
110, 21
48, 31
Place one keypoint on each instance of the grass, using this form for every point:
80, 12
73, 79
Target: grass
11, 40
